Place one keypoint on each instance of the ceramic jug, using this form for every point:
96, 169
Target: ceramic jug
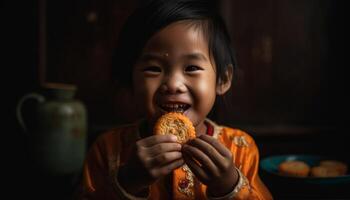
58, 141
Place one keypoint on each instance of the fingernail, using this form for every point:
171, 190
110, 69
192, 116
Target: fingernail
173, 138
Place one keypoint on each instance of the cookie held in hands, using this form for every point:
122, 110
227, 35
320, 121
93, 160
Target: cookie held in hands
176, 124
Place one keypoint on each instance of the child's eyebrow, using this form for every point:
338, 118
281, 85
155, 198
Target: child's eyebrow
196, 56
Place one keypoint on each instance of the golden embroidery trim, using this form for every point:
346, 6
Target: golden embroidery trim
186, 186
240, 141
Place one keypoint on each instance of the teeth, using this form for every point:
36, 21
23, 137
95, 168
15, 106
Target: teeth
174, 107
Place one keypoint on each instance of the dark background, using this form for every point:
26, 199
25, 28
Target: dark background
290, 95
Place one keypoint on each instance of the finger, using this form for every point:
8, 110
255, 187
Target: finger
162, 148
201, 158
196, 169
217, 145
163, 159
166, 169
209, 150
156, 139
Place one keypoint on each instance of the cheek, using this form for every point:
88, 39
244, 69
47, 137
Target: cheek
145, 90
205, 91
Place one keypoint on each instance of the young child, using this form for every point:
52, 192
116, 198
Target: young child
175, 56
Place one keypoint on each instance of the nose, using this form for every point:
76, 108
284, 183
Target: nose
173, 83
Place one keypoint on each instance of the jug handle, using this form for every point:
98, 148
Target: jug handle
38, 97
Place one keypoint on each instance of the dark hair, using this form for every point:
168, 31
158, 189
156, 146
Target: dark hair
154, 15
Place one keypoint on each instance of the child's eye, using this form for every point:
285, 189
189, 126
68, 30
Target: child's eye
152, 69
192, 68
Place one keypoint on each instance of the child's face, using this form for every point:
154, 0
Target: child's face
175, 73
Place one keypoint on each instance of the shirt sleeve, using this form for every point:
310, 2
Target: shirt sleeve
100, 172
246, 159
235, 190
96, 181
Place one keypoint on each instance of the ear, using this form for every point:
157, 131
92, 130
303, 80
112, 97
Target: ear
225, 83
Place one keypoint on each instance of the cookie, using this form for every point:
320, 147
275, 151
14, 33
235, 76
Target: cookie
336, 165
324, 171
294, 168
176, 124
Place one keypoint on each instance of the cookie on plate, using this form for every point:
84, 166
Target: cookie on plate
341, 167
294, 168
176, 124
323, 171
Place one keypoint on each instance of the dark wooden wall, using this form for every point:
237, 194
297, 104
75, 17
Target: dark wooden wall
290, 95
291, 58
79, 45
289, 53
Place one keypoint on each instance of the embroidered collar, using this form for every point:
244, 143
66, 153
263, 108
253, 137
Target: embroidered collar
215, 128
210, 128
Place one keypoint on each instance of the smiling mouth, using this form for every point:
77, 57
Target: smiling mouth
175, 107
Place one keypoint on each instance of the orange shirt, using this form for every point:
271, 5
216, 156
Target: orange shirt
112, 149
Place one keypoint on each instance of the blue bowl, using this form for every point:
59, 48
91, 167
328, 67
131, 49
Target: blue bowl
270, 165
288, 187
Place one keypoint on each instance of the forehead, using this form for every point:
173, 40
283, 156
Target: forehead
182, 36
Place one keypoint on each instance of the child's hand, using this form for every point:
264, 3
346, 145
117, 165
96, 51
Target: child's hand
212, 163
153, 157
